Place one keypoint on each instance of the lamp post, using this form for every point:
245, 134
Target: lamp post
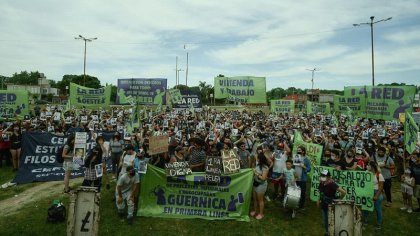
84, 63
371, 23
312, 80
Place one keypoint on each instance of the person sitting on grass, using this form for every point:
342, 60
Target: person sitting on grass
125, 191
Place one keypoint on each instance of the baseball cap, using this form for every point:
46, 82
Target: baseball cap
325, 173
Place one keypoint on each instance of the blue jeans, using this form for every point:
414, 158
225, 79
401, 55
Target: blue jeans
324, 212
378, 209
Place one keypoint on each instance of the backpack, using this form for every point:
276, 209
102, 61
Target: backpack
59, 155
56, 213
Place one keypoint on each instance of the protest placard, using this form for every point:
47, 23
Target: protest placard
178, 168
158, 144
213, 169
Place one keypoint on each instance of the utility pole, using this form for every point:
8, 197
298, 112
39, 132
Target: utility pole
312, 80
371, 23
186, 71
84, 62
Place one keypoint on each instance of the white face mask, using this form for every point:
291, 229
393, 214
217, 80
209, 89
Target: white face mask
323, 178
332, 157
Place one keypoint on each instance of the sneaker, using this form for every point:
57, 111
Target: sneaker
403, 208
267, 198
252, 213
130, 220
410, 210
388, 204
378, 227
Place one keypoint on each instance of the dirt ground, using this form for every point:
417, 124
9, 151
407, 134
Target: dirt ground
14, 204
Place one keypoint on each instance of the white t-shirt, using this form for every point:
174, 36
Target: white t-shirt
279, 162
375, 181
128, 160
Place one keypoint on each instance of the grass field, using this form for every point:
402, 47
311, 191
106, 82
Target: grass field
31, 219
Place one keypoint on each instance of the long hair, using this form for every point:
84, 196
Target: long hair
374, 167
262, 160
69, 141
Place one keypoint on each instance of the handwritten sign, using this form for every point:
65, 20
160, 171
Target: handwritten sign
158, 144
178, 168
213, 169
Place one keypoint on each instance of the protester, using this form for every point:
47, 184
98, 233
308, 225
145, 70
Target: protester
279, 158
378, 186
244, 155
68, 164
384, 162
327, 191
95, 165
15, 147
178, 155
127, 159
415, 172
303, 167
407, 185
260, 186
198, 157
116, 146
125, 193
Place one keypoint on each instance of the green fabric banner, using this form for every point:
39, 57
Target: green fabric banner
89, 97
13, 103
410, 133
383, 102
243, 89
356, 104
192, 197
282, 106
313, 151
318, 107
357, 184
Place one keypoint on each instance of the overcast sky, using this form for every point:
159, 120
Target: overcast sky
276, 39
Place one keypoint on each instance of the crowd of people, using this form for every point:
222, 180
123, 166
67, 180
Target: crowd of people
263, 142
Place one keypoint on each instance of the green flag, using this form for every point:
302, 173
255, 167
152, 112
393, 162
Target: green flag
191, 196
313, 150
134, 120
191, 109
410, 133
350, 117
175, 95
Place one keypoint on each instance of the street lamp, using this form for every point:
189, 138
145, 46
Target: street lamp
371, 23
84, 64
312, 80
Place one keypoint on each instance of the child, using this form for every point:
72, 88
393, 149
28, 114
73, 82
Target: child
407, 184
289, 174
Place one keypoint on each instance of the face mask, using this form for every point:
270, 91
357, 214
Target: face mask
332, 157
381, 155
369, 168
370, 145
300, 153
323, 178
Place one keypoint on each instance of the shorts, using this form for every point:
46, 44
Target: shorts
68, 166
417, 191
407, 189
262, 188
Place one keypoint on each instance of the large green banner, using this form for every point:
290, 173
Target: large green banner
244, 89
282, 106
355, 103
192, 197
384, 102
357, 184
318, 107
13, 103
89, 97
410, 133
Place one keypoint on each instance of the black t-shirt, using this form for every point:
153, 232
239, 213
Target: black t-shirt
327, 193
341, 163
348, 165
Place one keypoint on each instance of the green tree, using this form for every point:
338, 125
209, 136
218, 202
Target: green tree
91, 82
24, 78
205, 91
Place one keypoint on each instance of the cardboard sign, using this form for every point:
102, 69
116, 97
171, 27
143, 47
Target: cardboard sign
158, 144
213, 169
179, 168
231, 162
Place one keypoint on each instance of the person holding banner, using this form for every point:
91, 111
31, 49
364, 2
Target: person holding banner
68, 164
327, 191
302, 167
260, 185
378, 187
